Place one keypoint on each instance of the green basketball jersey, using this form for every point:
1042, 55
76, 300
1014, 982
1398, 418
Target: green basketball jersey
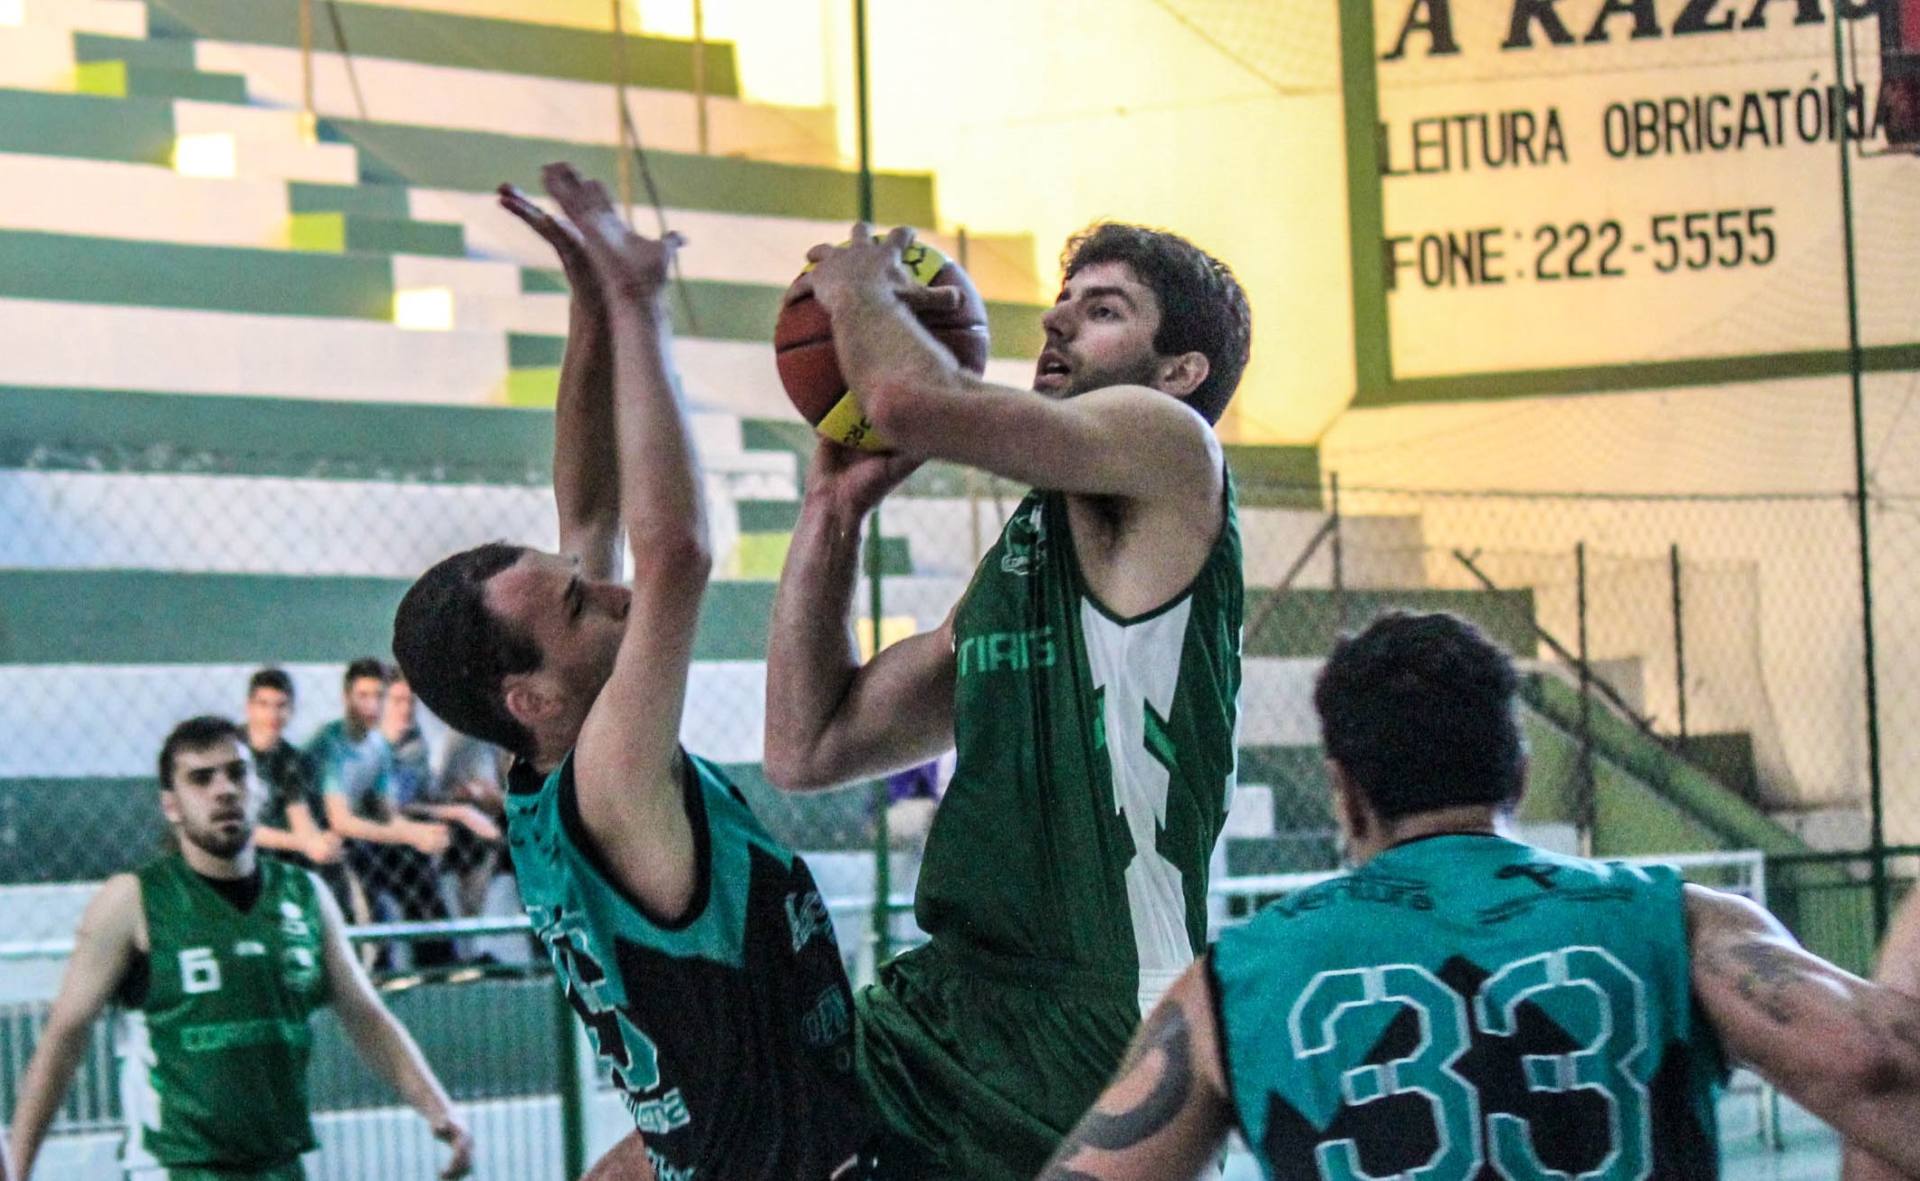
728, 1030
1468, 1007
1095, 760
214, 1056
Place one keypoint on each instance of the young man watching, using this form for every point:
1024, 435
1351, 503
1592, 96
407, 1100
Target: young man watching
217, 957
392, 854
292, 819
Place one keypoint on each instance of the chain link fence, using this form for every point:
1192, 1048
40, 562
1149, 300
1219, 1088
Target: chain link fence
1695, 682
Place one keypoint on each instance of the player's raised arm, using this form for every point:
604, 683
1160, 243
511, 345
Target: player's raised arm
1167, 1114
626, 765
383, 1043
1846, 1049
586, 464
103, 948
1117, 421
831, 719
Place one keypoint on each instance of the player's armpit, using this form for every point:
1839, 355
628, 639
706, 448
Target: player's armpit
1166, 1115
1846, 1049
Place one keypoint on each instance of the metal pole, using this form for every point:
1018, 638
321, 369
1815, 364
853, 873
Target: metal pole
882, 842
1586, 809
861, 99
700, 72
1679, 639
624, 174
1862, 515
882, 837
1339, 558
573, 1105
309, 122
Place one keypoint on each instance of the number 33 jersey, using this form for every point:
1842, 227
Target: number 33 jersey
1463, 1008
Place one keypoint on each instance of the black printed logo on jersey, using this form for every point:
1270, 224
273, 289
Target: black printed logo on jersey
807, 916
1540, 875
1026, 539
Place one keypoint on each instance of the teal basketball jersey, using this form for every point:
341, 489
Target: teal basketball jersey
728, 1030
1466, 1007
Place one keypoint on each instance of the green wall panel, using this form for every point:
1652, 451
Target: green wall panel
151, 617
173, 53
206, 278
478, 161
86, 126
373, 200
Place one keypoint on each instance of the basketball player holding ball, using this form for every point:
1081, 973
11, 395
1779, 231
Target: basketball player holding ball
1088, 677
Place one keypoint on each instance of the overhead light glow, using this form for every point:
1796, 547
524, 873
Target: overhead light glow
208, 154
424, 309
13, 12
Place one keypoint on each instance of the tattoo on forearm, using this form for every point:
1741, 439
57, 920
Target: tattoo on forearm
1172, 1039
1763, 973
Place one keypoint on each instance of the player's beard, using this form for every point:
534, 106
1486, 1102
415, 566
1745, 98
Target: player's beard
219, 839
1084, 381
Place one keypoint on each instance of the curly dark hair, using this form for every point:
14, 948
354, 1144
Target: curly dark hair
1419, 710
1202, 308
455, 653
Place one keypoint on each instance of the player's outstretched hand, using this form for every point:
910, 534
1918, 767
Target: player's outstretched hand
559, 234
626, 262
451, 1132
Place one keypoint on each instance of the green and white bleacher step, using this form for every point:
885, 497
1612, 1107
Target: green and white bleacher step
116, 18
167, 53
53, 344
266, 144
763, 249
359, 233
118, 79
479, 98
100, 199
430, 38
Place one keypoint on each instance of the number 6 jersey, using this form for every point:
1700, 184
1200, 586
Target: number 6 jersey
213, 1035
1465, 1007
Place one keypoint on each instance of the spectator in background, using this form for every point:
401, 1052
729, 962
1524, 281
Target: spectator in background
416, 793
293, 825
391, 853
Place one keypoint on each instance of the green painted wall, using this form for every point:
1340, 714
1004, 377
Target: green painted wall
80, 617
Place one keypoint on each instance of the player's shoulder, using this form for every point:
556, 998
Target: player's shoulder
121, 889
116, 911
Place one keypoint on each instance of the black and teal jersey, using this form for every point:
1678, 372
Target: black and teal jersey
1468, 1008
213, 1037
729, 1030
